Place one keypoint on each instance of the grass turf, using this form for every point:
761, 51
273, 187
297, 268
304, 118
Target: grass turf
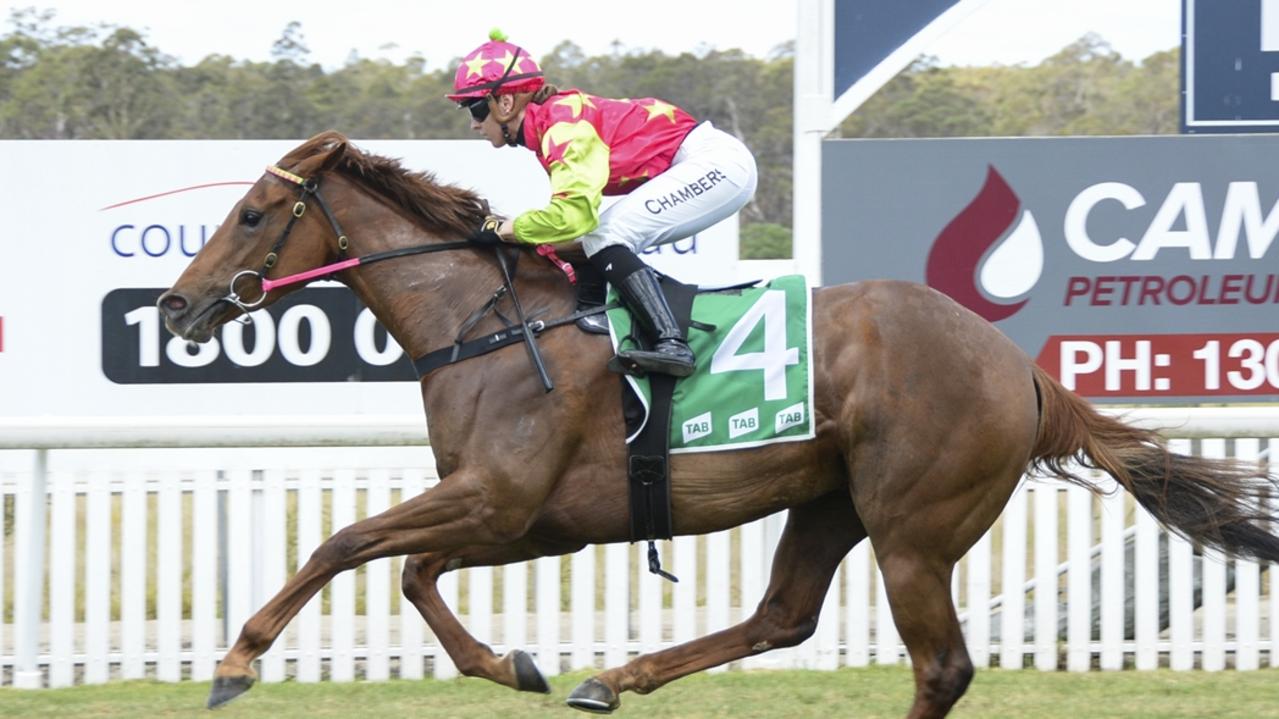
870, 692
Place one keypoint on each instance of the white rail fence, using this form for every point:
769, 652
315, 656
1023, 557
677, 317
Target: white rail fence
145, 561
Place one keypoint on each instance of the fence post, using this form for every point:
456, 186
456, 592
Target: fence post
1046, 559
30, 513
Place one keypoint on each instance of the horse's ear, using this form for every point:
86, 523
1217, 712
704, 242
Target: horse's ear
334, 152
327, 150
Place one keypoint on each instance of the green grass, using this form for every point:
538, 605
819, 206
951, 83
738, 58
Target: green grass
871, 692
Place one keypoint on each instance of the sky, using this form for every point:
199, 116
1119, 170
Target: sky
1007, 32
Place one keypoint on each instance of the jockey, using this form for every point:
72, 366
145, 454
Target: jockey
678, 177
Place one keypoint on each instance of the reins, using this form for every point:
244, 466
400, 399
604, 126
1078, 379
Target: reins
524, 331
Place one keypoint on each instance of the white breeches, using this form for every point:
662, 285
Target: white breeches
712, 176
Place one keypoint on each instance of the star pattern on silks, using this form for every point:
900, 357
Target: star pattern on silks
553, 151
660, 108
503, 62
475, 66
575, 102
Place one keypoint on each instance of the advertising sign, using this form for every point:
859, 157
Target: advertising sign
1230, 65
1139, 269
96, 231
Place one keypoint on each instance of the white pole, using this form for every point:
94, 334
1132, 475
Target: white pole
29, 589
813, 95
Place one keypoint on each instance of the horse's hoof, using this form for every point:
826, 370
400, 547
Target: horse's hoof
227, 688
593, 696
528, 678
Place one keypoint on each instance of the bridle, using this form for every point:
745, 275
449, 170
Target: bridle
310, 188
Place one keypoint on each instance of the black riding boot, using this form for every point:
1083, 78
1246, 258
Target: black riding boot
671, 355
591, 295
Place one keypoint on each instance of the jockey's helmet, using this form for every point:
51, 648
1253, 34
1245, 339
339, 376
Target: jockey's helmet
495, 68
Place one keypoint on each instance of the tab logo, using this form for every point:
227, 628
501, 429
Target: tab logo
697, 427
743, 423
792, 416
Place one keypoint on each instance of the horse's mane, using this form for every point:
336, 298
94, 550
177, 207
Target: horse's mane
442, 208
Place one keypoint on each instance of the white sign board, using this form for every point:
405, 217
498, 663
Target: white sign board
93, 230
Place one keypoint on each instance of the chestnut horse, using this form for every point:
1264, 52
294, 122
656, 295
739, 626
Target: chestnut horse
926, 418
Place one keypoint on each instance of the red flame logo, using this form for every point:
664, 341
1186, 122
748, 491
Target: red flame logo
953, 260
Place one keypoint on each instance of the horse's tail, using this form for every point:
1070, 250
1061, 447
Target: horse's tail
1218, 503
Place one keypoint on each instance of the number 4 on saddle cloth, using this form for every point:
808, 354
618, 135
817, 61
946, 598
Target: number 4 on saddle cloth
752, 385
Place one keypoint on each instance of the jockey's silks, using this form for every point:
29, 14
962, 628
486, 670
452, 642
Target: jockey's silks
594, 146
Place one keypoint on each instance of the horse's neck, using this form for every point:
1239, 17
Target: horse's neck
424, 300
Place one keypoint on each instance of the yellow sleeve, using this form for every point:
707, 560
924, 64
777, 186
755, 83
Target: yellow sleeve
579, 172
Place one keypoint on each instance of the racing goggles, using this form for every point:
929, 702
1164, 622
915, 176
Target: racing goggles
479, 108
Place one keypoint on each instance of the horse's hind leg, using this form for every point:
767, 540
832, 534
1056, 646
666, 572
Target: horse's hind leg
472, 657
917, 552
817, 537
918, 589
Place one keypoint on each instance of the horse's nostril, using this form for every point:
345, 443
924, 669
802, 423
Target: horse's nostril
173, 303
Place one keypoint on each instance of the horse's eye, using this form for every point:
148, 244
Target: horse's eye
251, 217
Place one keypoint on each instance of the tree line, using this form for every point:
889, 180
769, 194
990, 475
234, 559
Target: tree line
110, 82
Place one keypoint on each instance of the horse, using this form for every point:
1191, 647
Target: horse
926, 418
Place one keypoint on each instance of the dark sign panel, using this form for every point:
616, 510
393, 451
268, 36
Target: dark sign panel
867, 31
1230, 65
1135, 269
318, 334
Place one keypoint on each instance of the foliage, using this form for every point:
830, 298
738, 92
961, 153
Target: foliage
73, 83
107, 82
765, 241
1085, 89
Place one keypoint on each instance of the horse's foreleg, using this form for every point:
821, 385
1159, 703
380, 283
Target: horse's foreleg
450, 515
473, 657
816, 538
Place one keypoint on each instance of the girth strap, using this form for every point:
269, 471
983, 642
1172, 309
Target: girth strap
649, 453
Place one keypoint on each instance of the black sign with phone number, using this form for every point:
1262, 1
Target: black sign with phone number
319, 334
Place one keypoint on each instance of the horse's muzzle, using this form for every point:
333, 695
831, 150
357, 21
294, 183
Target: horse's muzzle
183, 320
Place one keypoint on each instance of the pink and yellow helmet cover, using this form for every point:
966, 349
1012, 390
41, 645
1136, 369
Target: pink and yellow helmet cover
497, 67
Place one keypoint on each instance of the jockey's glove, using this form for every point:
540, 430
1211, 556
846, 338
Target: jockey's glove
487, 234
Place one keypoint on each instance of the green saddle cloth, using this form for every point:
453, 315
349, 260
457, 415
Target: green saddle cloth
753, 383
